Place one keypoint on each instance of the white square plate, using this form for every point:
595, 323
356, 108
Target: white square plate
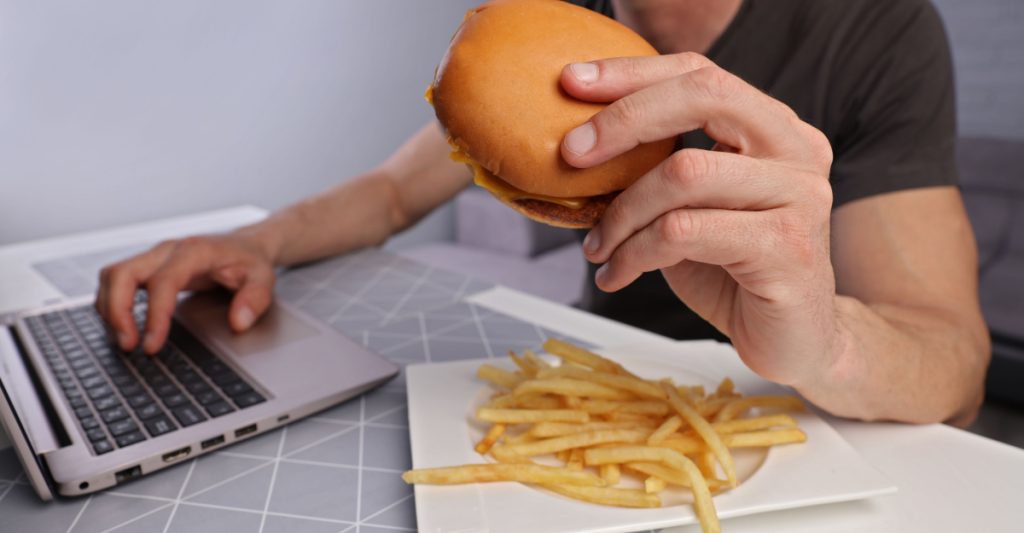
442, 397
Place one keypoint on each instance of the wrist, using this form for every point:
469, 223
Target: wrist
267, 238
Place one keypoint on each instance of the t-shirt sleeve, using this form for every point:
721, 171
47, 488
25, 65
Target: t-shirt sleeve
898, 125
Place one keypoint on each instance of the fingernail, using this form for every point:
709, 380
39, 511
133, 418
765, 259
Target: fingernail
582, 139
245, 318
147, 342
585, 72
601, 274
123, 341
591, 242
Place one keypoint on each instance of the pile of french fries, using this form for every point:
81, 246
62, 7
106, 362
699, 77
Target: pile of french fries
602, 423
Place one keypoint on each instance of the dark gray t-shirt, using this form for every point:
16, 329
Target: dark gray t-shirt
874, 76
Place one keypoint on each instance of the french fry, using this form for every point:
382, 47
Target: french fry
499, 377
526, 416
526, 367
753, 424
738, 406
575, 354
575, 461
572, 402
579, 440
709, 408
570, 387
558, 429
523, 473
725, 389
610, 474
630, 384
705, 462
636, 418
706, 432
608, 496
492, 436
691, 444
668, 427
531, 401
640, 407
654, 485
627, 454
502, 455
537, 362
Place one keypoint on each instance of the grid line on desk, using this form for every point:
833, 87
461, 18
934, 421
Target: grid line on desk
404, 310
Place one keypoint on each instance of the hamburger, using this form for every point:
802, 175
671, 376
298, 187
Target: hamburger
497, 94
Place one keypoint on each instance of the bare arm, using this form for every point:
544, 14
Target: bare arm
368, 209
913, 344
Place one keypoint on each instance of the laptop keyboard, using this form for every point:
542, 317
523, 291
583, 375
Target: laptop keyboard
122, 398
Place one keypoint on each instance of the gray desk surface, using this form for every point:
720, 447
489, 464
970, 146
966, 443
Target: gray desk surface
336, 471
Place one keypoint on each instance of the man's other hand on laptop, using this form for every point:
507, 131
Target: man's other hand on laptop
234, 261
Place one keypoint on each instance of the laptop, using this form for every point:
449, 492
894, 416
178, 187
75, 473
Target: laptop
84, 416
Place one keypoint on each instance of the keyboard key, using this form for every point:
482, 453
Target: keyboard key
225, 378
115, 414
99, 392
149, 411
206, 398
87, 371
122, 426
94, 381
131, 389
175, 400
214, 366
198, 387
89, 423
139, 400
102, 446
188, 415
130, 438
106, 403
159, 426
96, 434
249, 398
77, 402
124, 381
164, 391
237, 388
219, 409
83, 412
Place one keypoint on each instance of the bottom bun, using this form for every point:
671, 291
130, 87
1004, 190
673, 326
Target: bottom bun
561, 216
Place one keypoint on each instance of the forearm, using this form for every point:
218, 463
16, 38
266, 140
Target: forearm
904, 364
366, 210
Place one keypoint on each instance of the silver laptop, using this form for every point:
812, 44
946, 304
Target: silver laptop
84, 416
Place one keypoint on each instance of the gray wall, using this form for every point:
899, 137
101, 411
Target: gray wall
117, 111
988, 51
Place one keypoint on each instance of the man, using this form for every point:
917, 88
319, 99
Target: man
813, 220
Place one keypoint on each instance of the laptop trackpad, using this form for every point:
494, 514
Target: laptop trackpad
208, 312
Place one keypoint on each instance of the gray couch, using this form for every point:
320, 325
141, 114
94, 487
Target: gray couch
992, 181
494, 243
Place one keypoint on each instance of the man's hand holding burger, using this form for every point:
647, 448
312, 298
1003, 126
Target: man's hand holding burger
740, 233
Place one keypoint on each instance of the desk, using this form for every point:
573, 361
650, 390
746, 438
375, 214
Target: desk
337, 471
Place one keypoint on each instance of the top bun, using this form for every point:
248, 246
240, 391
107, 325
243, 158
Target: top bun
497, 92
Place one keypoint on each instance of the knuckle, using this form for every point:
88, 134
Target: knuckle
692, 60
677, 226
625, 112
819, 147
716, 82
793, 233
686, 167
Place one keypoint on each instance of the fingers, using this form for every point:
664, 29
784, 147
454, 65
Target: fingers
607, 80
119, 282
689, 178
712, 236
174, 276
728, 109
252, 299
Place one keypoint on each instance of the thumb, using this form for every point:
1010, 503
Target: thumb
250, 302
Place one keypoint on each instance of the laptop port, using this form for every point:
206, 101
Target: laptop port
215, 441
128, 474
170, 457
241, 432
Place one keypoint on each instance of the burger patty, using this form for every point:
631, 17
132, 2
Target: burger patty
566, 217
